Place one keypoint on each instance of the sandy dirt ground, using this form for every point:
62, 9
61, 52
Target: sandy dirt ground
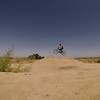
53, 79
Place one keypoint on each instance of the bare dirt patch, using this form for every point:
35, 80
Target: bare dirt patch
68, 67
70, 81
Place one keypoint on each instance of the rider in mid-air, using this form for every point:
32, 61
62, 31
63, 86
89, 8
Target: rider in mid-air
60, 48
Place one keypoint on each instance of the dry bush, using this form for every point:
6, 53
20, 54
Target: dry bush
6, 63
20, 68
89, 59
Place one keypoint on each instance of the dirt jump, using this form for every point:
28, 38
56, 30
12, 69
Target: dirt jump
53, 78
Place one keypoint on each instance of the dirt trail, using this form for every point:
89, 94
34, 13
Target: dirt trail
53, 79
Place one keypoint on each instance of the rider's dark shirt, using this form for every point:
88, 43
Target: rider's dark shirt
60, 47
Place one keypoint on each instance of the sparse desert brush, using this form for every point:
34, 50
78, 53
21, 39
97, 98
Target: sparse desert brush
11, 64
89, 59
20, 68
7, 65
35, 56
5, 62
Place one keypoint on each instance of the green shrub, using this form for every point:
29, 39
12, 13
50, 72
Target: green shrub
5, 64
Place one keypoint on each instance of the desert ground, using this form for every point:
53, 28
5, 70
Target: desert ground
53, 78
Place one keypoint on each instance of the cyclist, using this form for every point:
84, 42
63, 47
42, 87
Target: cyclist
60, 48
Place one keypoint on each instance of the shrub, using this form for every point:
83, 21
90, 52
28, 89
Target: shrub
5, 63
20, 68
35, 56
98, 61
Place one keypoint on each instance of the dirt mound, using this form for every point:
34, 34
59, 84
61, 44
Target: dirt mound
53, 63
53, 78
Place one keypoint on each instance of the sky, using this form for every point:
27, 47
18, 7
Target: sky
40, 25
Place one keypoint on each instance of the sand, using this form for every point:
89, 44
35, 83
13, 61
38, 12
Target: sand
53, 78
